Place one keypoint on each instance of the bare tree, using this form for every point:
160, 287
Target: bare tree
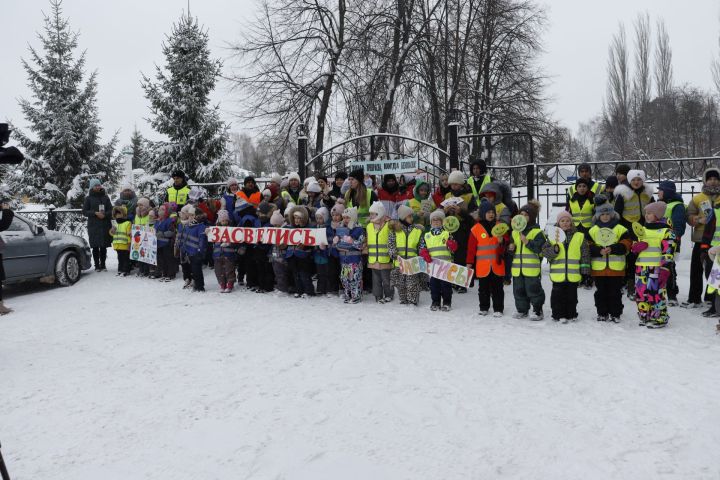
616, 116
663, 61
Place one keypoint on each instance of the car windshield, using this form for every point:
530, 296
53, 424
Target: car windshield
19, 225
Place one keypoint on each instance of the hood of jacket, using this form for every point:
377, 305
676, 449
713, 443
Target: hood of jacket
627, 192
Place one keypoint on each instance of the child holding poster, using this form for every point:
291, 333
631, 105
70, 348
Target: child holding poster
404, 242
568, 253
527, 242
438, 243
485, 253
349, 240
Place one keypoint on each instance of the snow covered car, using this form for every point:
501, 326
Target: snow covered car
34, 253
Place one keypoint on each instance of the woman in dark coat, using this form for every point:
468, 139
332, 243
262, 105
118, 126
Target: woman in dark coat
6, 217
97, 208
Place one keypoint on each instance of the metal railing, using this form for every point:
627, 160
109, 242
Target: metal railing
64, 220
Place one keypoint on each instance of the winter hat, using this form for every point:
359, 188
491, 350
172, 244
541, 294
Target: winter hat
352, 214
485, 206
284, 183
378, 208
532, 208
168, 207
404, 211
563, 214
668, 188
223, 216
232, 181
582, 181
143, 202
178, 173
457, 177
264, 208
604, 208
611, 182
337, 209
324, 212
358, 175
341, 175
314, 187
94, 182
188, 209
293, 176
126, 186
600, 199
656, 208
622, 169
276, 220
712, 173
276, 179
632, 174
249, 179
584, 167
480, 163
119, 209
437, 215
289, 207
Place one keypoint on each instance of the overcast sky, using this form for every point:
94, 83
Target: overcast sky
123, 38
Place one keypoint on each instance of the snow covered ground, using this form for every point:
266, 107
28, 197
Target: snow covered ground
133, 379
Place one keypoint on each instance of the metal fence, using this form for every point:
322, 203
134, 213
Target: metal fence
64, 220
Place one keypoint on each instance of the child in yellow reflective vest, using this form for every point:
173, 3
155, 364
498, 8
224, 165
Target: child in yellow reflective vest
527, 248
120, 232
404, 241
655, 251
438, 244
379, 261
569, 262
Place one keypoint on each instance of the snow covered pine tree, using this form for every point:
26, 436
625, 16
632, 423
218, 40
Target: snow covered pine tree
63, 116
181, 107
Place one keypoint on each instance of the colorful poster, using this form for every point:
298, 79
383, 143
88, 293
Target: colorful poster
714, 277
268, 235
450, 272
143, 244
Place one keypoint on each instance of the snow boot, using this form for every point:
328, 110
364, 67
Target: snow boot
4, 310
691, 305
483, 313
603, 318
435, 307
497, 314
709, 313
537, 316
222, 288
614, 319
519, 315
658, 324
446, 308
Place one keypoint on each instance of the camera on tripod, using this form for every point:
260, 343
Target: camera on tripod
9, 155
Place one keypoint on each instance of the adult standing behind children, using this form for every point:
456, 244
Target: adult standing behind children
179, 192
97, 208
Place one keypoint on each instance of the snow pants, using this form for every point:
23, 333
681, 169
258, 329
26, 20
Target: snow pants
196, 266
225, 270
408, 286
440, 289
563, 300
301, 270
381, 287
700, 266
123, 261
351, 277
322, 270
491, 287
280, 269
166, 262
333, 275
650, 298
528, 291
608, 296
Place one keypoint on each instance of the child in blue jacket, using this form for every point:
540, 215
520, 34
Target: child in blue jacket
299, 257
224, 254
321, 254
165, 232
348, 241
194, 246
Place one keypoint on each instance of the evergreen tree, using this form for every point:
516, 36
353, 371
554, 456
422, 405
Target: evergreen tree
65, 150
138, 151
179, 101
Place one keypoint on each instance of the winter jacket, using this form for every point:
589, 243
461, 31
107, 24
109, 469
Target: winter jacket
298, 251
551, 251
502, 210
350, 252
677, 216
621, 248
130, 204
165, 231
668, 244
624, 194
195, 240
98, 229
695, 211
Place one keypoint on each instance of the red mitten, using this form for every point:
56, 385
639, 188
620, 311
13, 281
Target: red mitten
451, 245
425, 254
663, 277
639, 247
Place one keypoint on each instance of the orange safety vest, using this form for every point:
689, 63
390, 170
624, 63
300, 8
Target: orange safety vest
254, 198
487, 253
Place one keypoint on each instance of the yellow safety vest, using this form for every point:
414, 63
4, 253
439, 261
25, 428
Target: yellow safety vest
121, 239
407, 244
652, 255
436, 245
525, 262
142, 220
475, 193
566, 266
632, 211
716, 236
179, 197
613, 262
378, 243
582, 215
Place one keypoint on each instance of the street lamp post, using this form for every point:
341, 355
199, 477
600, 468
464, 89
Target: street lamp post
301, 131
453, 150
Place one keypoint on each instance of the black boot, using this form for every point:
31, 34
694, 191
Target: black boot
103, 257
96, 258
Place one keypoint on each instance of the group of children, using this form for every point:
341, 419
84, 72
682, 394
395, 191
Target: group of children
592, 245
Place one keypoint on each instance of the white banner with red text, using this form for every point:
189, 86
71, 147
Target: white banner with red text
268, 235
450, 272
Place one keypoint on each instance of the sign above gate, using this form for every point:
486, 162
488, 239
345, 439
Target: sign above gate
385, 167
